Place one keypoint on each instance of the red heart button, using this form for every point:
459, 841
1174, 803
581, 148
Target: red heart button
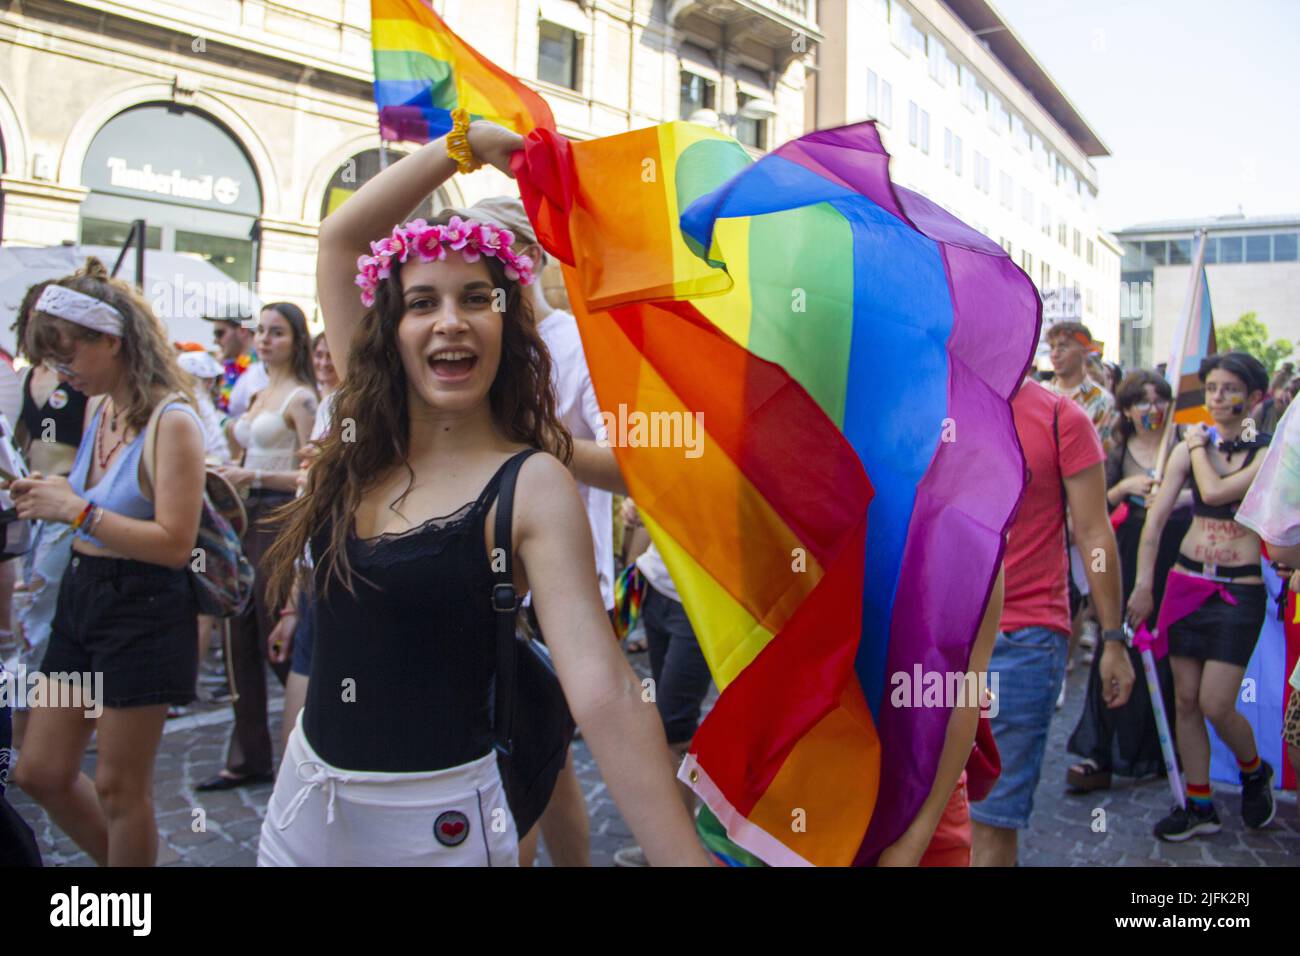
453, 829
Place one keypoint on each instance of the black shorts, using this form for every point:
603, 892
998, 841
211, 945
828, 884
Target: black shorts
136, 623
1219, 631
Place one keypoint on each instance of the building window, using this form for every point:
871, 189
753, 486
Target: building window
969, 89
1063, 233
1284, 247
886, 103
1180, 252
1087, 300
751, 132
925, 132
1007, 191
1259, 248
557, 55
995, 110
1027, 261
1027, 206
1078, 243
697, 94
900, 29
1229, 249
983, 178
1045, 278
947, 148
935, 66
913, 123
1045, 219
1156, 253
1090, 252
1020, 134
956, 161
873, 94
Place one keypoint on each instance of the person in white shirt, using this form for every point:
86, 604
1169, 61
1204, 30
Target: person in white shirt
564, 824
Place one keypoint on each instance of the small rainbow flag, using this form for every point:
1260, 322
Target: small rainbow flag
850, 351
423, 71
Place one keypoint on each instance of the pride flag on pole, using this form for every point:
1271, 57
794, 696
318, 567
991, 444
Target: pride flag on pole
423, 71
1195, 335
850, 351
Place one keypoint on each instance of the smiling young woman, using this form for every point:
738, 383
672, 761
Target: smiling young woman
444, 381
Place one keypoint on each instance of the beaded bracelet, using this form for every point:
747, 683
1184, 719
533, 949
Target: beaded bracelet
458, 141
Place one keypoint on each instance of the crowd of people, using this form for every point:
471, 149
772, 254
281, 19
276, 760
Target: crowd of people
441, 441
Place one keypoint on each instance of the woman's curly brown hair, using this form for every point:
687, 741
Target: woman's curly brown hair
371, 402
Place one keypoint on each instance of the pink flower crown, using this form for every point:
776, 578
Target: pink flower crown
470, 237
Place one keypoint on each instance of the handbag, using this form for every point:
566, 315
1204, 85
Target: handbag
223, 581
531, 750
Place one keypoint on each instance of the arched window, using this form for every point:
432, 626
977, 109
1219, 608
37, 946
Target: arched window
185, 175
358, 171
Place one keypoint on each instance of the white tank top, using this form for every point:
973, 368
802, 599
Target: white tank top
269, 443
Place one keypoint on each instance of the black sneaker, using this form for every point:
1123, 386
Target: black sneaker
1257, 805
1183, 823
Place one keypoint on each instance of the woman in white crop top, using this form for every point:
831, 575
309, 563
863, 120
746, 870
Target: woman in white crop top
276, 425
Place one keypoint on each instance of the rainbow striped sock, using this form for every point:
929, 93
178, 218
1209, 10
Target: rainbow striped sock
1249, 768
1198, 795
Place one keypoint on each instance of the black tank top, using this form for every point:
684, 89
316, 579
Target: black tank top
1228, 511
65, 406
401, 674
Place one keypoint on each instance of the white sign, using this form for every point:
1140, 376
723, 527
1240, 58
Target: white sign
204, 188
1062, 305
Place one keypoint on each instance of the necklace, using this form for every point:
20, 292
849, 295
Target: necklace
100, 456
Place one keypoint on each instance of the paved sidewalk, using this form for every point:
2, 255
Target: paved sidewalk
1061, 831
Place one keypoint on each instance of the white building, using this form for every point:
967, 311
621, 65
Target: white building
974, 122
1252, 265
233, 126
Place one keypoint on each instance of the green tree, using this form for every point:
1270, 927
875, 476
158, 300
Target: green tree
1249, 334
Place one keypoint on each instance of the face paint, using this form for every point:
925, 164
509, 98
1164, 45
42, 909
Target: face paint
1153, 419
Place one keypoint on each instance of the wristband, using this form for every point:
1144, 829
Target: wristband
458, 141
286, 611
81, 518
1114, 634
96, 517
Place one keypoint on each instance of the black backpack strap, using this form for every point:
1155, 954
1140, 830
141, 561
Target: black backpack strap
1056, 441
505, 602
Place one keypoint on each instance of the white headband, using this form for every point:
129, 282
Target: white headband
65, 303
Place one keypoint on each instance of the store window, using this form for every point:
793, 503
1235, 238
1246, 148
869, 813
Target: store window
185, 176
558, 55
358, 171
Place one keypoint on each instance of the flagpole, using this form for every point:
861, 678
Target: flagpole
1174, 370
383, 155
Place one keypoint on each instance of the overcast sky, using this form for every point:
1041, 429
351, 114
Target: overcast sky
1197, 99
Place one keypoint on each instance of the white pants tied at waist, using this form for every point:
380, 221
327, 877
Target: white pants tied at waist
322, 815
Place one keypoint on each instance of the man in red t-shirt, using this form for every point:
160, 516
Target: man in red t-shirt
1065, 463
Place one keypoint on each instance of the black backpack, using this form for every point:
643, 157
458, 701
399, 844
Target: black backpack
531, 750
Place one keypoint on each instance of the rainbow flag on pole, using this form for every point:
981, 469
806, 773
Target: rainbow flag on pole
849, 351
423, 71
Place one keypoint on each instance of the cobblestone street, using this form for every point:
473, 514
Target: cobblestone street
1061, 831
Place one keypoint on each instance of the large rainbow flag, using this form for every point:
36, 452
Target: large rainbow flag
423, 71
850, 350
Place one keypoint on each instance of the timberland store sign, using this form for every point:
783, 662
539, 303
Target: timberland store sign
178, 158
221, 189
